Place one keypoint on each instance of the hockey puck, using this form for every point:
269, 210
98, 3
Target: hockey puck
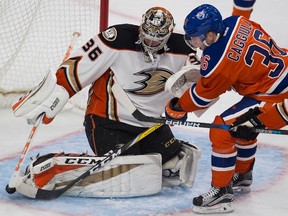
10, 190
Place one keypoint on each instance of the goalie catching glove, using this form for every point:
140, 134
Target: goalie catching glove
182, 80
48, 98
179, 82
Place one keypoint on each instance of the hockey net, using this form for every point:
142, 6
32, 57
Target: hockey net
35, 35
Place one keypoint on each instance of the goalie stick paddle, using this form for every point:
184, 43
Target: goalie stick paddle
38, 193
127, 103
15, 179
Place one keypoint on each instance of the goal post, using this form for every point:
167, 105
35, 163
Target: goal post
104, 8
35, 35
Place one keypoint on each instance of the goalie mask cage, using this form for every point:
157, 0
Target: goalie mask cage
35, 35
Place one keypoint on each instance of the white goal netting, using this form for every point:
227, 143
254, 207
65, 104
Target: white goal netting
34, 37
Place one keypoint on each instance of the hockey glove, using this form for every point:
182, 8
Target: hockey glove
174, 111
48, 97
242, 127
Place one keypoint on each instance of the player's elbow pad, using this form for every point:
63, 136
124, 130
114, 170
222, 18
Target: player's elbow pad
48, 97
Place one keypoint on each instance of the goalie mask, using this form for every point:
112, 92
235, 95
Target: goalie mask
155, 30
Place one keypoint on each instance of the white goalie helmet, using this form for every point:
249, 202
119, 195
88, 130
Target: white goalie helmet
155, 29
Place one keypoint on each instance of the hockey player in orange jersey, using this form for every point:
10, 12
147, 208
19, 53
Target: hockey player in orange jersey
243, 8
238, 54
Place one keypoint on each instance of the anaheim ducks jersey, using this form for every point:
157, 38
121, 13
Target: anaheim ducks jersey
116, 55
245, 59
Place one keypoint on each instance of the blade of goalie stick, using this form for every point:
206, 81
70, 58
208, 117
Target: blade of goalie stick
38, 193
123, 98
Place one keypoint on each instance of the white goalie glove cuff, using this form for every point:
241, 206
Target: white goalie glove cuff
47, 97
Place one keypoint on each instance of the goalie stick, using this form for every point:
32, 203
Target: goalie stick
15, 179
38, 193
122, 97
70, 47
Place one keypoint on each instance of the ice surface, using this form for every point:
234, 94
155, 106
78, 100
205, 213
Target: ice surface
269, 191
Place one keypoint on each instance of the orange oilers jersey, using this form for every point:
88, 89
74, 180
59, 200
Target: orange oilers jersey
116, 54
246, 59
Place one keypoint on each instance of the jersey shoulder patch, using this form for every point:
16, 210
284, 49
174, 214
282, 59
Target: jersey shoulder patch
110, 34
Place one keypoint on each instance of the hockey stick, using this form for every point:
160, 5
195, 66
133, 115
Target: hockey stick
15, 179
38, 193
70, 47
127, 103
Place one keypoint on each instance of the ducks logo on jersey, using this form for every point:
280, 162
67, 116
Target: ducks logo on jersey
153, 81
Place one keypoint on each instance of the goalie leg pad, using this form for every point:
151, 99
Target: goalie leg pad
48, 97
181, 170
124, 176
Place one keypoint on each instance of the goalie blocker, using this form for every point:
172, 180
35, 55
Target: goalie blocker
48, 97
125, 176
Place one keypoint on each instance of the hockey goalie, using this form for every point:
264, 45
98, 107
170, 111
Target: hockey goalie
124, 176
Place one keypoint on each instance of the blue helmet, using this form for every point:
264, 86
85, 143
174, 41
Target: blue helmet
203, 19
